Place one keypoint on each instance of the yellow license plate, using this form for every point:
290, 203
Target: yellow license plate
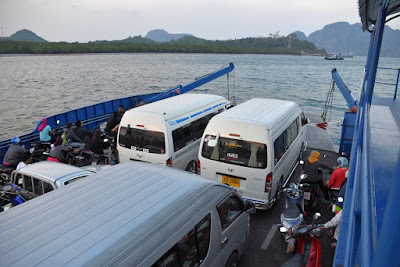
231, 181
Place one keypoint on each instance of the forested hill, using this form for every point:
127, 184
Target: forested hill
189, 44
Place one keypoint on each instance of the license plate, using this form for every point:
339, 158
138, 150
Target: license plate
231, 181
307, 195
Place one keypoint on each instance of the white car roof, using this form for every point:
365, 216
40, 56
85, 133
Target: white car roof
52, 171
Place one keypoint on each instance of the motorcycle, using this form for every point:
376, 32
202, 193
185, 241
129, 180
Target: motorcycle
293, 215
80, 158
308, 245
5, 173
10, 196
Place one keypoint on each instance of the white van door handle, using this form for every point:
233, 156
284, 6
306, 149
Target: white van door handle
224, 241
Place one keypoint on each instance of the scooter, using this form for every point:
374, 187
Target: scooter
293, 215
308, 245
10, 196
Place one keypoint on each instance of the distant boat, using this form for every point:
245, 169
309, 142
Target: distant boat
334, 57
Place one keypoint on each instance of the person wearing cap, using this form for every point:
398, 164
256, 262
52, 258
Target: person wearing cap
14, 152
312, 167
97, 145
338, 176
45, 131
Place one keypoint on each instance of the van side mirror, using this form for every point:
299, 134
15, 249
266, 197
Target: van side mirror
249, 207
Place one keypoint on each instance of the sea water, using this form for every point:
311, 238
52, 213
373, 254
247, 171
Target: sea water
36, 86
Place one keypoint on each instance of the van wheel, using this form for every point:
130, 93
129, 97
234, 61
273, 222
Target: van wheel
233, 260
192, 167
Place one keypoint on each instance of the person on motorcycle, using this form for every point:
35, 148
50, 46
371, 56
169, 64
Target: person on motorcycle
83, 133
11, 158
71, 138
97, 145
57, 152
26, 159
338, 176
312, 168
45, 131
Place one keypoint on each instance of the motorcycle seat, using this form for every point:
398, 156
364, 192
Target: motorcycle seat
292, 211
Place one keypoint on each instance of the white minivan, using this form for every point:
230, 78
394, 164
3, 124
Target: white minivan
168, 132
252, 146
133, 214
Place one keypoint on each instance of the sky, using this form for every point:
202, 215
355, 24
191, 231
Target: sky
91, 20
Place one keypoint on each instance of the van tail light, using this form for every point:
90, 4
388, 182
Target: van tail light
268, 183
198, 166
169, 164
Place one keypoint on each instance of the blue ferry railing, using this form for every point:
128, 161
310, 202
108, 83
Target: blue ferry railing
395, 84
360, 242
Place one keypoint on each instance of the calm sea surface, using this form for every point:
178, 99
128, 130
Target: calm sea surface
33, 87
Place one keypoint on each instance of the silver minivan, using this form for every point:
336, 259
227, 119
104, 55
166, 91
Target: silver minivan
133, 214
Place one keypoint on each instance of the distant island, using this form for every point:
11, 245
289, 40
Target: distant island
335, 38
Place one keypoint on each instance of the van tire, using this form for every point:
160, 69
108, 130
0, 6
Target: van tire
192, 167
233, 260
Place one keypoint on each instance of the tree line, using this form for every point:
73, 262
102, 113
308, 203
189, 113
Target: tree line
186, 45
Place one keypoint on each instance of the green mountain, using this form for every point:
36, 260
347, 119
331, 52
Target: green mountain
162, 36
26, 36
348, 39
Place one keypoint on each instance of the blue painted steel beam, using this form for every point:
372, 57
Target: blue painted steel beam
348, 96
199, 81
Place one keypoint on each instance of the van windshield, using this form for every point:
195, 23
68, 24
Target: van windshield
142, 140
238, 152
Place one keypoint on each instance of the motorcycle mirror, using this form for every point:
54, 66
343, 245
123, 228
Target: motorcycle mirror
303, 176
316, 215
283, 229
340, 199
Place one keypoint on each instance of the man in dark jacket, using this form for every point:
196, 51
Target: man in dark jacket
97, 145
112, 122
83, 133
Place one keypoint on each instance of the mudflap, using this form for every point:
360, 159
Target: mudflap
310, 249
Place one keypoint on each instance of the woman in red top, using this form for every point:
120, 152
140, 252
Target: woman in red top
339, 175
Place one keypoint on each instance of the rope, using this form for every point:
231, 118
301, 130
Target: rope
328, 103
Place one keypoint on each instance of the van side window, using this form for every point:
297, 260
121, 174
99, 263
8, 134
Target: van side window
283, 142
190, 132
229, 210
192, 249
